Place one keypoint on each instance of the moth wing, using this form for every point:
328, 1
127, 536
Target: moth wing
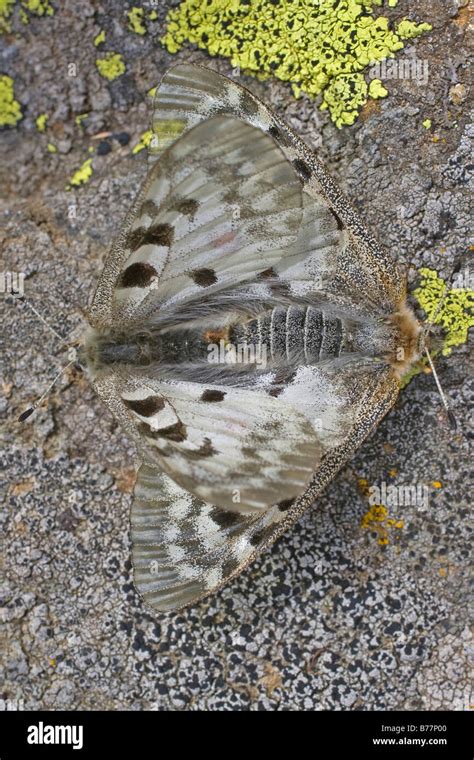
268, 207
237, 448
184, 549
245, 449
221, 205
358, 271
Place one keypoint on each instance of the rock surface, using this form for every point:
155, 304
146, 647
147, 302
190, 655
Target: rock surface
336, 615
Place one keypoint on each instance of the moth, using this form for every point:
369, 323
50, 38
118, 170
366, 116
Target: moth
247, 332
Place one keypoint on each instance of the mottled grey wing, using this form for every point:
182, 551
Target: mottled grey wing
357, 272
221, 205
184, 548
239, 449
237, 208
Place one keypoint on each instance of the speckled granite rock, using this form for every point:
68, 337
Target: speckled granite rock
329, 618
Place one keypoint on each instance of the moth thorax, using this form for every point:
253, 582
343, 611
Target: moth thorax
102, 349
396, 339
408, 341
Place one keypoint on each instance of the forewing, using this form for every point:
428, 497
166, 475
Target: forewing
237, 201
361, 271
222, 205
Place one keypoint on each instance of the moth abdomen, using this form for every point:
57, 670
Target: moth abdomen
294, 335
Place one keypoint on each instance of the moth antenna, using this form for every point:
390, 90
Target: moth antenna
72, 356
41, 318
28, 412
449, 412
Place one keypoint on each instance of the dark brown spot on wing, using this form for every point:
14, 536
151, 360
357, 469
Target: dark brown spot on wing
284, 376
160, 234
187, 206
227, 519
275, 392
279, 288
262, 535
176, 432
138, 275
203, 277
278, 135
149, 208
146, 406
340, 225
248, 104
250, 452
157, 234
205, 450
267, 274
284, 505
212, 395
303, 169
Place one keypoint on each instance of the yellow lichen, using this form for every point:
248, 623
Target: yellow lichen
408, 29
37, 7
80, 118
10, 109
6, 10
456, 315
51, 148
82, 175
320, 48
110, 66
377, 90
99, 38
135, 21
41, 122
144, 142
427, 123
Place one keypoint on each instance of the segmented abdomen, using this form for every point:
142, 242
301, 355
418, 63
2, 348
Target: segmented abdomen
293, 334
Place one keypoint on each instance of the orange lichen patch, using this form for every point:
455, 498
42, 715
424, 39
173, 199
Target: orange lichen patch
393, 472
378, 521
436, 484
